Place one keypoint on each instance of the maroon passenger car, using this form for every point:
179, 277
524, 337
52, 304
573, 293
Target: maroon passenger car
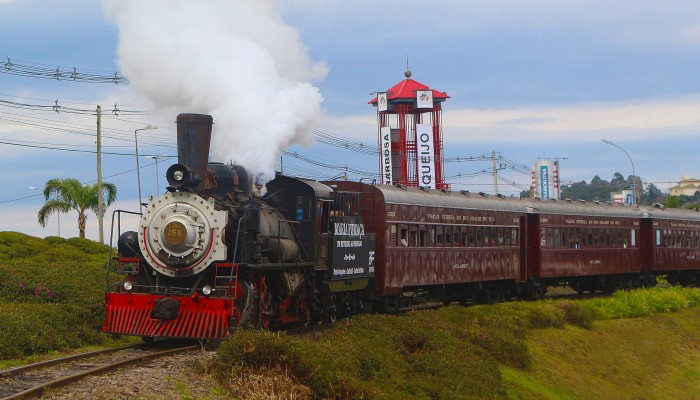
587, 246
671, 244
442, 245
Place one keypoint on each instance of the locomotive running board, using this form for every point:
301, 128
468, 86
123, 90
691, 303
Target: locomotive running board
200, 318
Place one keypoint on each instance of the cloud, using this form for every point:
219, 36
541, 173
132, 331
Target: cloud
634, 120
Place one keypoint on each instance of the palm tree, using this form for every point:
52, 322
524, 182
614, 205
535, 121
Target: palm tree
63, 195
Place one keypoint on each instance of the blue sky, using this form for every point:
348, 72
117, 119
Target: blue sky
528, 79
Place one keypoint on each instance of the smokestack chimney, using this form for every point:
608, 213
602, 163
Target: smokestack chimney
193, 140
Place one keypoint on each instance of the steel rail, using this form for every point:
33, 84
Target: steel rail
38, 389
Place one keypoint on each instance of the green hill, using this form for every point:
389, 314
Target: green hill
591, 349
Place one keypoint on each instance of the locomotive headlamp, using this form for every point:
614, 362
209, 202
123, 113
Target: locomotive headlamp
207, 290
178, 175
128, 285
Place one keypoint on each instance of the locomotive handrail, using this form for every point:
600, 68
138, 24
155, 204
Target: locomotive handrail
235, 248
111, 239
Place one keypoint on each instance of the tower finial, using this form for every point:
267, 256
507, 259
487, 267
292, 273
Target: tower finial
407, 74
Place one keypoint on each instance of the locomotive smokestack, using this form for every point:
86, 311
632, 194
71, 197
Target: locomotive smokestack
193, 139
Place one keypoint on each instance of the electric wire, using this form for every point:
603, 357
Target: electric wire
59, 74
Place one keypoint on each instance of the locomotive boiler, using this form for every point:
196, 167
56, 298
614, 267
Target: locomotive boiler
213, 254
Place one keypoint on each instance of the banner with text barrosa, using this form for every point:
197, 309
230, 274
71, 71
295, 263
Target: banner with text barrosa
352, 250
385, 144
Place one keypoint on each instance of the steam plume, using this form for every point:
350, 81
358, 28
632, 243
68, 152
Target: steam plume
235, 60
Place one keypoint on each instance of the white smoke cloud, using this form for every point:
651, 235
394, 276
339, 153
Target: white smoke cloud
235, 60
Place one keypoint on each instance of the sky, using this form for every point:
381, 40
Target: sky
528, 79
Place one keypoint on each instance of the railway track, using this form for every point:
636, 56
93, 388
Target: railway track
33, 379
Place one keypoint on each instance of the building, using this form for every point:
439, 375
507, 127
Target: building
545, 180
686, 187
409, 117
622, 197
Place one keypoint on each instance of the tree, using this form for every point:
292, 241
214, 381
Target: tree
618, 179
63, 195
673, 202
652, 195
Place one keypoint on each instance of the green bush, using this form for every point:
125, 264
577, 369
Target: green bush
643, 302
450, 353
576, 314
51, 293
27, 329
52, 270
377, 357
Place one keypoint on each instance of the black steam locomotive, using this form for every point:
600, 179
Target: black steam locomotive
213, 253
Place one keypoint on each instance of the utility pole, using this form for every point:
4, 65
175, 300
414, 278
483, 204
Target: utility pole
100, 205
495, 171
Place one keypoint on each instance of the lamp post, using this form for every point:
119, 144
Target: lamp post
138, 168
634, 175
157, 174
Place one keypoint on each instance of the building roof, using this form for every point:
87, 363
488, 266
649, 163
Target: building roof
687, 186
406, 90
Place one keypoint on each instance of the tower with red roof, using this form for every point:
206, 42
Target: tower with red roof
409, 116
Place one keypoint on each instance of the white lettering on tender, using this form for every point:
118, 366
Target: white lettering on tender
345, 229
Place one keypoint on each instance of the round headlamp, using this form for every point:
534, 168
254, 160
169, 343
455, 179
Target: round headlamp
128, 285
206, 290
179, 175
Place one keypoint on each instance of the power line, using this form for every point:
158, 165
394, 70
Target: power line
41, 146
340, 168
56, 107
343, 143
109, 176
69, 75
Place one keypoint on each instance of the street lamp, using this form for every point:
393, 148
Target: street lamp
634, 175
157, 174
138, 168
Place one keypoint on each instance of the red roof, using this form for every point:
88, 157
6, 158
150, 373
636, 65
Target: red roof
406, 90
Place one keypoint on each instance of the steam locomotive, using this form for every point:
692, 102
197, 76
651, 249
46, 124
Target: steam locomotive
214, 253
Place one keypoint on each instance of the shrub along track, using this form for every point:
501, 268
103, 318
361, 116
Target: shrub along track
33, 379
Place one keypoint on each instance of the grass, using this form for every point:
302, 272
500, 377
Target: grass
521, 350
641, 358
51, 301
51, 294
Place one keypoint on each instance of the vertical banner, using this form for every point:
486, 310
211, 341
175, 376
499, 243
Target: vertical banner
385, 154
426, 155
544, 182
381, 102
424, 98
